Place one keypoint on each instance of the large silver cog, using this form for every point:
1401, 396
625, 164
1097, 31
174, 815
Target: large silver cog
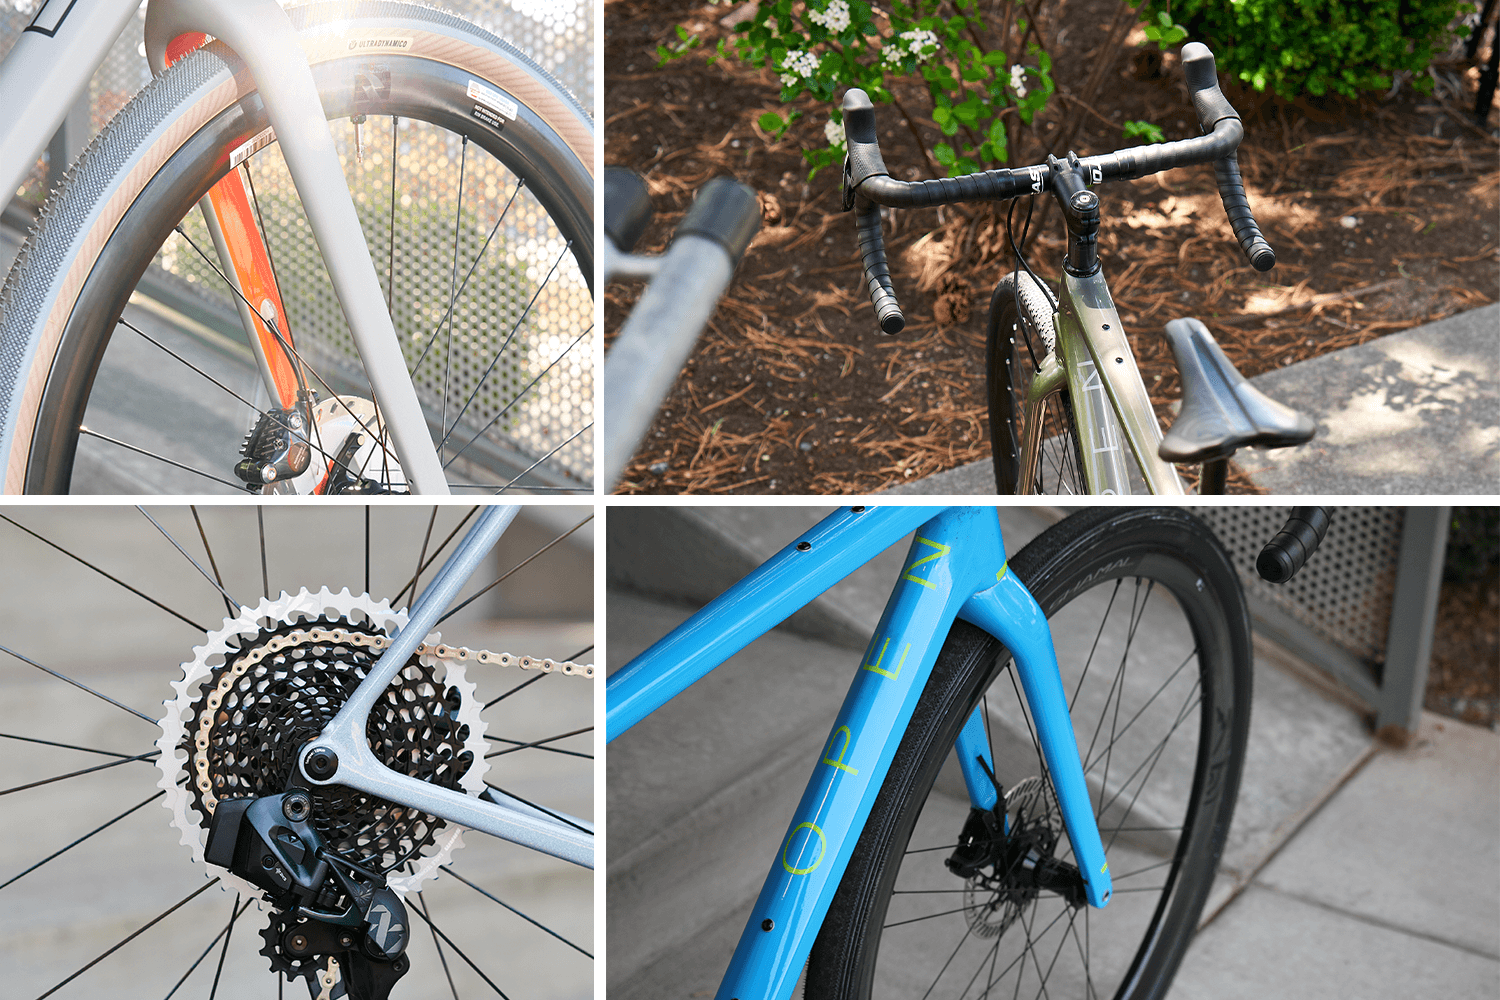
312, 610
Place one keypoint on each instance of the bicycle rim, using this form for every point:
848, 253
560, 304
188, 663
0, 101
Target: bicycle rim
99, 859
1018, 336
483, 247
1157, 674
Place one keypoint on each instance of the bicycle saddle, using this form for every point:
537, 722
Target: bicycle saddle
1221, 412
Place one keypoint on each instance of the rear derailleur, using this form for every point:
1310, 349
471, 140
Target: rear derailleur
335, 922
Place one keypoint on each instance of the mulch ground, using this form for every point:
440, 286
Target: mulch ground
1383, 213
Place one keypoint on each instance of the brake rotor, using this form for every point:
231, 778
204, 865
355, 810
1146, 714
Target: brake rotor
993, 903
267, 682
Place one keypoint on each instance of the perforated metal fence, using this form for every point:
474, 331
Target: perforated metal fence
511, 368
1344, 594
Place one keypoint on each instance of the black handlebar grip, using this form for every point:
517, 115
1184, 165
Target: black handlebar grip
1232, 194
726, 212
1203, 86
1285, 554
877, 271
860, 139
627, 207
1213, 107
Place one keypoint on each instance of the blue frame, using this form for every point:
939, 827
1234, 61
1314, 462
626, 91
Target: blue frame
955, 568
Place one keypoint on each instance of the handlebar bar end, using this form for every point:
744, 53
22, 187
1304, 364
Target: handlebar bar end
726, 212
1262, 257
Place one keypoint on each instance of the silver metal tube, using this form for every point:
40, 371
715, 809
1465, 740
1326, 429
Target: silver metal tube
358, 767
656, 340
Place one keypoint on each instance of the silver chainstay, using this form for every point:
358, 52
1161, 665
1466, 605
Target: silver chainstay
345, 637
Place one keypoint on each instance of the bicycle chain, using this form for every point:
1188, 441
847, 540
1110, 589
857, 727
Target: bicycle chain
345, 637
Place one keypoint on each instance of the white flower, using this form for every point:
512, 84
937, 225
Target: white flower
918, 39
789, 79
891, 55
835, 18
1018, 80
834, 131
800, 63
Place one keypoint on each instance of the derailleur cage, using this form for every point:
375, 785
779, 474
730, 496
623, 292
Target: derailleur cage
333, 907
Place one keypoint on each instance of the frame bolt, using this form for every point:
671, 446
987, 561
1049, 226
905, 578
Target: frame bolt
321, 764
296, 806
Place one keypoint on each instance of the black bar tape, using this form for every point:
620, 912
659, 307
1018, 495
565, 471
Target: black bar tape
1285, 554
1232, 193
627, 207
726, 212
989, 185
877, 271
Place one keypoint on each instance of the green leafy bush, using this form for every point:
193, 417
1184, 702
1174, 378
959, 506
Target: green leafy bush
824, 47
1316, 46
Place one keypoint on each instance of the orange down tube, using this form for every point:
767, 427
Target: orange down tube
248, 256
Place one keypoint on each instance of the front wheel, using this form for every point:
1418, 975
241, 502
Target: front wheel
1020, 337
471, 171
1153, 644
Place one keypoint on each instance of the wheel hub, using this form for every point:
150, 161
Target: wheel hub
1006, 869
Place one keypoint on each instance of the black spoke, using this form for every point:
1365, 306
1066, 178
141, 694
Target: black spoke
489, 796
87, 770
80, 686
228, 933
233, 917
103, 826
541, 744
422, 555
208, 550
135, 934
412, 583
500, 351
316, 446
300, 363
108, 576
523, 684
529, 920
516, 399
510, 572
432, 337
438, 945
458, 951
954, 954
201, 571
237, 487
65, 746
571, 438
458, 218
265, 572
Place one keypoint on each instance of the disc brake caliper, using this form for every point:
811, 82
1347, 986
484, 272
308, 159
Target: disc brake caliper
338, 922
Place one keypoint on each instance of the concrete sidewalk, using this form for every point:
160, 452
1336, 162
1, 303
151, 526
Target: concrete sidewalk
1352, 870
1414, 412
1392, 889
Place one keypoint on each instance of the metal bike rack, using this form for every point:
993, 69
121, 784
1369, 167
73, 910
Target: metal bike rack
1363, 608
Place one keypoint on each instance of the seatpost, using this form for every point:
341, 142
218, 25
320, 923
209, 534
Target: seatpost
1080, 207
